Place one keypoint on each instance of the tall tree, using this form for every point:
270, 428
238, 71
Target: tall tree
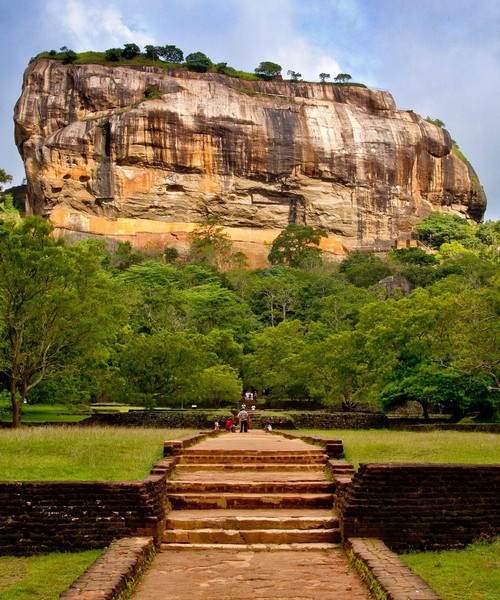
197, 61
165, 368
171, 54
268, 70
210, 244
55, 305
297, 246
343, 78
4, 178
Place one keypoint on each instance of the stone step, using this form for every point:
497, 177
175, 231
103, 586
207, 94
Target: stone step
193, 500
252, 547
252, 466
253, 519
250, 487
246, 458
251, 536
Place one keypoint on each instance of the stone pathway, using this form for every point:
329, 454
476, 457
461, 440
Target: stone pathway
252, 519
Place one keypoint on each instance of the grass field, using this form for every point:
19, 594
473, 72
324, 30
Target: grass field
41, 577
45, 413
422, 446
469, 574
81, 453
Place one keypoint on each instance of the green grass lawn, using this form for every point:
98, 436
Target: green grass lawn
41, 577
81, 453
381, 445
47, 413
469, 574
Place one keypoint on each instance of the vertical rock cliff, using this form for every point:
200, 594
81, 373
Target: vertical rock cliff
145, 154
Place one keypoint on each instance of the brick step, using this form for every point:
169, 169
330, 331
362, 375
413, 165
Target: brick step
253, 466
249, 487
340, 467
251, 547
254, 519
248, 458
245, 500
251, 536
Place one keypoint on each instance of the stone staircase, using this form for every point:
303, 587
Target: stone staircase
261, 499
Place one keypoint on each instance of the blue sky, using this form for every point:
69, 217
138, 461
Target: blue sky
440, 58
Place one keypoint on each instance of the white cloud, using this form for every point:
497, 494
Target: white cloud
94, 26
307, 60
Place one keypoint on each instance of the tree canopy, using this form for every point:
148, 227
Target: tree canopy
297, 246
55, 305
268, 70
79, 323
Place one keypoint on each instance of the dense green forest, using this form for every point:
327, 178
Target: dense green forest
82, 323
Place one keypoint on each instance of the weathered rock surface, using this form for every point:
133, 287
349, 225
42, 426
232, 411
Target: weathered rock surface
144, 154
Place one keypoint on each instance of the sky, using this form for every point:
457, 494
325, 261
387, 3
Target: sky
440, 58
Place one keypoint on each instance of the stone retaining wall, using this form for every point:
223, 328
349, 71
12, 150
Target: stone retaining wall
340, 420
166, 420
202, 420
420, 506
48, 516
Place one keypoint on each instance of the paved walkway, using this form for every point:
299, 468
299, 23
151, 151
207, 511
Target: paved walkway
240, 572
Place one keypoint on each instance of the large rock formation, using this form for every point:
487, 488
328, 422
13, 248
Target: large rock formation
145, 154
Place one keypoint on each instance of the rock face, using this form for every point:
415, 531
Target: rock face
145, 155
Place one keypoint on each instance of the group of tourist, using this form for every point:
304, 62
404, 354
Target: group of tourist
242, 419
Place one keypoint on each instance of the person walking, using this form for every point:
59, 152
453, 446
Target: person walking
243, 420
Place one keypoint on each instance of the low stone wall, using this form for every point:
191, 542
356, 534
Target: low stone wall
202, 420
164, 420
420, 506
48, 516
341, 420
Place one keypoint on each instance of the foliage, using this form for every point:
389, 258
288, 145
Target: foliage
163, 329
297, 246
439, 228
294, 76
163, 369
210, 244
272, 364
130, 50
197, 61
437, 122
171, 54
268, 70
7, 208
334, 370
363, 269
4, 178
54, 306
113, 54
342, 78
324, 76
220, 385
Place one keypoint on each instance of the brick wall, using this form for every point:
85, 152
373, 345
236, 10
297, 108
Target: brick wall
421, 505
49, 516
